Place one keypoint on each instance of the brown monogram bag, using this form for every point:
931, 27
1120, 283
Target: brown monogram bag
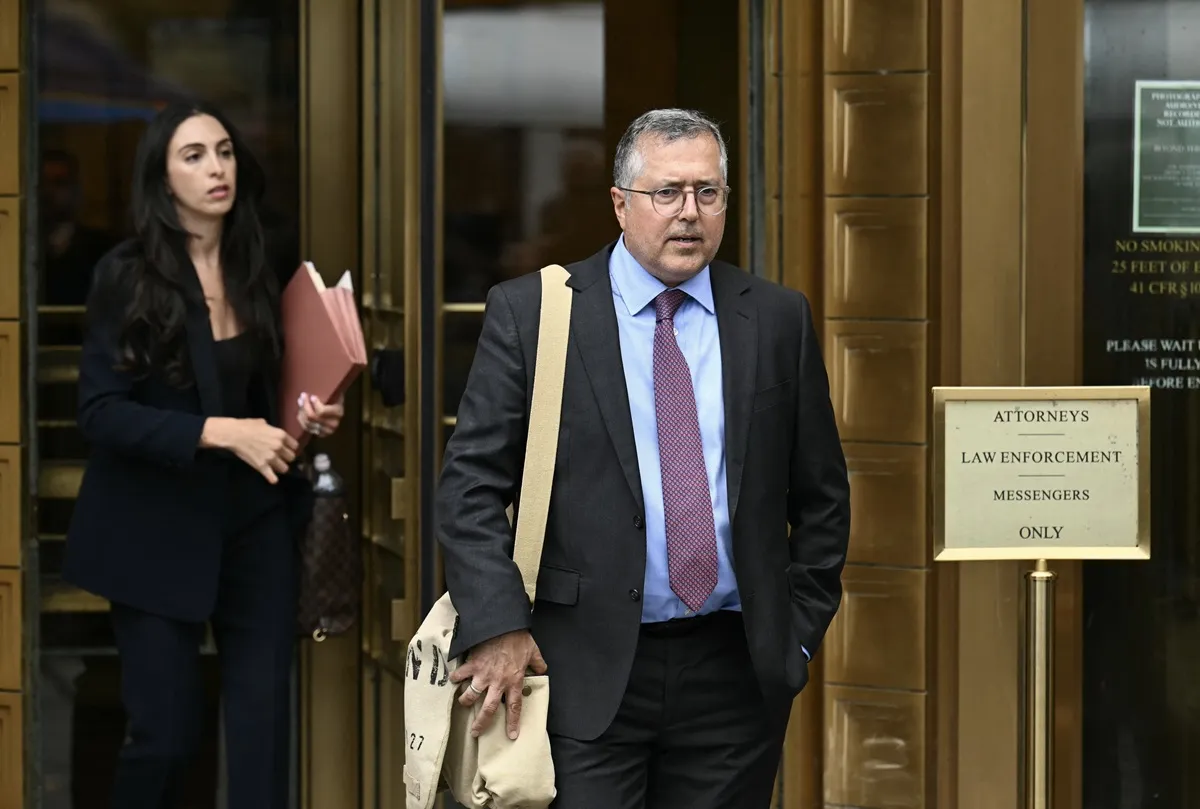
331, 569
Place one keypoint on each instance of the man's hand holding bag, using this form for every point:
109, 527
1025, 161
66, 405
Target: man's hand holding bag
496, 670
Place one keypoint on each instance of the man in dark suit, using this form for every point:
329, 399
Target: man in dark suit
675, 610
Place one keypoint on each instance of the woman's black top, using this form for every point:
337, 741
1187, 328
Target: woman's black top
250, 495
235, 361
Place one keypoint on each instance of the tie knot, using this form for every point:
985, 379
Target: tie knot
667, 303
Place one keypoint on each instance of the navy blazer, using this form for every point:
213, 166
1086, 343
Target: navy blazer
147, 528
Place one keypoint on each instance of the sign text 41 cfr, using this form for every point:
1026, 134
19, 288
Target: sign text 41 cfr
1041, 473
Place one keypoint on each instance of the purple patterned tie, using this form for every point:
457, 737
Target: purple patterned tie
691, 537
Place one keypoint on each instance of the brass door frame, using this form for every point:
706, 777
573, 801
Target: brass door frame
397, 261
329, 221
1012, 276
431, 296
1053, 209
16, 348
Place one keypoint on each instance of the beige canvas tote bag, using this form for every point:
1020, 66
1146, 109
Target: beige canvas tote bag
493, 772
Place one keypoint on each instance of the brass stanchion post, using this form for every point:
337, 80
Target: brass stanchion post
1039, 687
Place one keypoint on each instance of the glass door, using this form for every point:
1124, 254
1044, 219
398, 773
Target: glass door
1141, 622
102, 69
485, 159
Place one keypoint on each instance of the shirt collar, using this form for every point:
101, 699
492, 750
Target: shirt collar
638, 288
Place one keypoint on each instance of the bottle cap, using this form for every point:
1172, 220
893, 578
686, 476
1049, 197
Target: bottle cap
321, 462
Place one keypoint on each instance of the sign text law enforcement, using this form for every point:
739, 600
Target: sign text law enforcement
1041, 473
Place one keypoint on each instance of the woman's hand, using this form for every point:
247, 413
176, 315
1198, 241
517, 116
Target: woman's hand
265, 448
317, 418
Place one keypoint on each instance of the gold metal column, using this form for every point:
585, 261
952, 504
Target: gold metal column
13, 413
330, 218
1039, 687
981, 288
1011, 155
1054, 81
859, 173
391, 436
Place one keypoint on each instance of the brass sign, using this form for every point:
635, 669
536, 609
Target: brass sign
1041, 473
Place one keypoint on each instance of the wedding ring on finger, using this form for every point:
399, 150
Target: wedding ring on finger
476, 690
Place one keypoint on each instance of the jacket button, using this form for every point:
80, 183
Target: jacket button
637, 522
635, 595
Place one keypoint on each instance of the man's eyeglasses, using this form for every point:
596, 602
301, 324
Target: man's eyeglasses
710, 201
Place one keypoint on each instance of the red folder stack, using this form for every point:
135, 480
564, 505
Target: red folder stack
323, 347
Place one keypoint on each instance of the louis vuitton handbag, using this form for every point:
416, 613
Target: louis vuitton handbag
331, 568
492, 771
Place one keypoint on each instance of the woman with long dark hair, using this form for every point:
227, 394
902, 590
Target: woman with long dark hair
190, 506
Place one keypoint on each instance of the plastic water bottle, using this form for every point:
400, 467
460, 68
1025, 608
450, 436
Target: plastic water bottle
328, 482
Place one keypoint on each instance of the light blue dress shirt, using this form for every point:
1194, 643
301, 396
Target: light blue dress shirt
634, 291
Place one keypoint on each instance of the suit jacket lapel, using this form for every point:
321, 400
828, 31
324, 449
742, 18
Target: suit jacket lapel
738, 327
594, 331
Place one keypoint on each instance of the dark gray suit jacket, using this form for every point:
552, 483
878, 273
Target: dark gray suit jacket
785, 467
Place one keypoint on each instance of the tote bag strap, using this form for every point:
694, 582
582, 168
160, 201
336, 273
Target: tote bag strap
541, 444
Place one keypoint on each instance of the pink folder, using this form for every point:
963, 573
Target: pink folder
324, 351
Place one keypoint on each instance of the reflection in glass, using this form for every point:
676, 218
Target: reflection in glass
536, 96
524, 141
104, 67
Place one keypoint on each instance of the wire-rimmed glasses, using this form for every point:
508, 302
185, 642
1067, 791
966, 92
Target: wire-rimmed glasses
710, 200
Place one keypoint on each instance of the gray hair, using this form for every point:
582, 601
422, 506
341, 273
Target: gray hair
668, 125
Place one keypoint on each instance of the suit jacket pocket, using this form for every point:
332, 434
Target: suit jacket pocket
558, 585
770, 397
